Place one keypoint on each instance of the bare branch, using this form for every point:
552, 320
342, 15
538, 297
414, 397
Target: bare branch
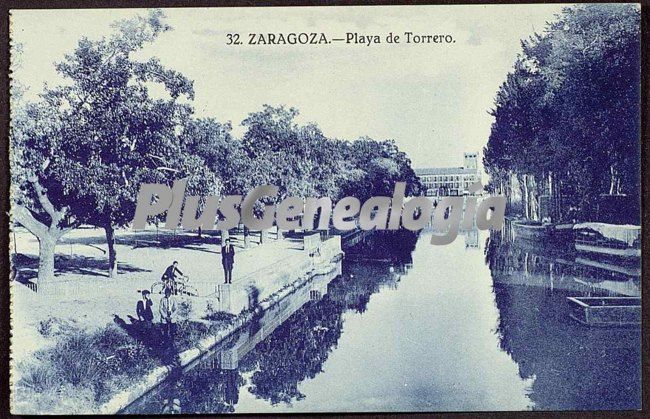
153, 156
42, 197
169, 169
24, 216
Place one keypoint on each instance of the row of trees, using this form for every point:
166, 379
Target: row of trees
80, 153
567, 118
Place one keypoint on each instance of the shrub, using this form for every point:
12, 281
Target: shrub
77, 359
82, 370
110, 338
217, 316
190, 333
132, 359
54, 327
184, 309
38, 377
62, 399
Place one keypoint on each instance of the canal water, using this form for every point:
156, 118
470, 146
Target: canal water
402, 325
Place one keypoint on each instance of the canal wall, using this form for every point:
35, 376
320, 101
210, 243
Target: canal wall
353, 237
227, 356
248, 290
284, 279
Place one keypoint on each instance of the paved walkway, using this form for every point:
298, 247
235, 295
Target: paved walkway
85, 297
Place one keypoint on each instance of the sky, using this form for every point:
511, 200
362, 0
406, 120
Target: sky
432, 99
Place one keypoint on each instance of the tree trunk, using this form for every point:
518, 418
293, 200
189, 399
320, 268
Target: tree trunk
46, 248
507, 190
614, 181
47, 234
508, 187
560, 201
247, 237
225, 234
199, 232
112, 255
533, 194
526, 198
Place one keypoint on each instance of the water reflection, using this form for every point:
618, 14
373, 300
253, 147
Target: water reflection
388, 246
407, 326
524, 262
572, 366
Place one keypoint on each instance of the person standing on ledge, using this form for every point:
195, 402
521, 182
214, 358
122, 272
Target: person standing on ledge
227, 260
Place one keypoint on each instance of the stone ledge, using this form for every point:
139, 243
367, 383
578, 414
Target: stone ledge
123, 399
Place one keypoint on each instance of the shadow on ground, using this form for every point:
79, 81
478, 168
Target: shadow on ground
165, 239
27, 266
151, 336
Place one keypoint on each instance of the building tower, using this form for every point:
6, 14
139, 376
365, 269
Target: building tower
471, 161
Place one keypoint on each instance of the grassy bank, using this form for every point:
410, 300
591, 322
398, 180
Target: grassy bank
82, 369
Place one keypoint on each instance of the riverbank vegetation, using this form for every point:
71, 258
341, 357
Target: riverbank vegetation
567, 118
91, 367
81, 152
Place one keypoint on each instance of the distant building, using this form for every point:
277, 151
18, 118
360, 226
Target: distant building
450, 181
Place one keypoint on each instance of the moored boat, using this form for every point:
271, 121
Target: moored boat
531, 230
608, 239
536, 230
616, 266
606, 311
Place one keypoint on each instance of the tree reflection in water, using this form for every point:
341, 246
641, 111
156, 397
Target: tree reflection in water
297, 347
573, 366
566, 365
295, 351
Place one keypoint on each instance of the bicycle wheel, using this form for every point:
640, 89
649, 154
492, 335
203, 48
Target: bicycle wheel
157, 287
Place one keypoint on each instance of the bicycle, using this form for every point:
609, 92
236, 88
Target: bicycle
178, 286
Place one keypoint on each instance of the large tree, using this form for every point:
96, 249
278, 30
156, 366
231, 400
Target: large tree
105, 133
303, 162
567, 118
119, 135
35, 196
378, 165
38, 202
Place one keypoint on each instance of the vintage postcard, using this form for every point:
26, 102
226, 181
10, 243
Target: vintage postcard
429, 208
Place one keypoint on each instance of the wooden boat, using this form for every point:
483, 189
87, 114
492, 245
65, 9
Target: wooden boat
616, 251
612, 240
606, 311
623, 268
531, 230
536, 230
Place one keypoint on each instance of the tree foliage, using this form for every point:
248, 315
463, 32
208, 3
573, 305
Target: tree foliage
303, 162
567, 118
81, 152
